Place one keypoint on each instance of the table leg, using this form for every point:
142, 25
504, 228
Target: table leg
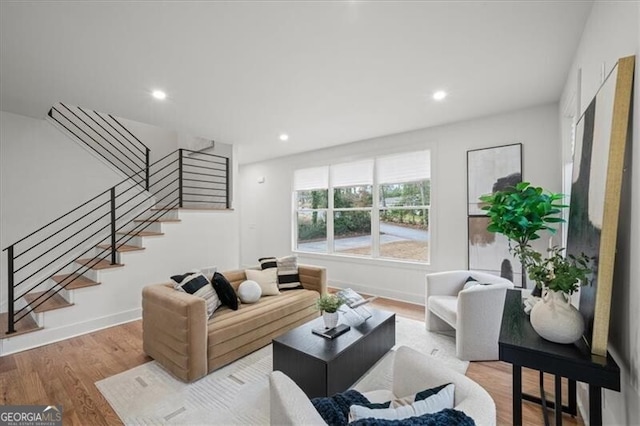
517, 395
558, 396
595, 405
543, 400
573, 404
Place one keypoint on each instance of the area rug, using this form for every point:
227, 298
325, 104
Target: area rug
238, 394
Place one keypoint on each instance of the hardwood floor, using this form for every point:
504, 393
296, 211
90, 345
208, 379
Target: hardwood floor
65, 372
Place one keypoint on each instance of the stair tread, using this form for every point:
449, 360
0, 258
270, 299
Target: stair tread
102, 264
78, 281
121, 249
54, 302
25, 325
161, 220
141, 233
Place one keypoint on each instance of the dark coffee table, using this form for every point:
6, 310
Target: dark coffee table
323, 367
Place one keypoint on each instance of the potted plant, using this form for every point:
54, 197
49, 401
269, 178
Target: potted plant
521, 213
329, 304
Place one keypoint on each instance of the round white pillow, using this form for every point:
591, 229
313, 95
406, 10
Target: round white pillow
249, 291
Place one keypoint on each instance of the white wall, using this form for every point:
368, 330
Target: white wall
39, 165
266, 209
612, 32
202, 239
160, 141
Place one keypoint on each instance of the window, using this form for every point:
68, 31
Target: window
311, 195
375, 208
404, 199
352, 185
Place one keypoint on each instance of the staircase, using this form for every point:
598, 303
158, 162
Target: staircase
50, 270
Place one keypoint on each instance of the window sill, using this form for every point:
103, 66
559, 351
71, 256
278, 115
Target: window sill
386, 262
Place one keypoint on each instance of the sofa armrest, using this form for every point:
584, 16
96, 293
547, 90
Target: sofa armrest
174, 330
313, 278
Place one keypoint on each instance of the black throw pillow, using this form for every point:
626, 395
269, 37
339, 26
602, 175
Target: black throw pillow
225, 291
179, 278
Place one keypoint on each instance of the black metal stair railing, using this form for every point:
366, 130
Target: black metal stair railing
107, 137
114, 217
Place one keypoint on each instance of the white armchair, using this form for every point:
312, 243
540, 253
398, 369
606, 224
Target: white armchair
474, 313
412, 373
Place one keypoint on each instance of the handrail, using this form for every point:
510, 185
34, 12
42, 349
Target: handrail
127, 130
109, 218
86, 202
122, 163
105, 140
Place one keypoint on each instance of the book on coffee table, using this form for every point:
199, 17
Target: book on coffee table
331, 333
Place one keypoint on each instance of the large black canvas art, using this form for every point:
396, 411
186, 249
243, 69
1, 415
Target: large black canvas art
601, 136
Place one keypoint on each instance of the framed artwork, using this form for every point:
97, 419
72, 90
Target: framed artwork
490, 170
598, 164
489, 252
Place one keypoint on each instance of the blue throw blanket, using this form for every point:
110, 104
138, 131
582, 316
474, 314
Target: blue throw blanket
335, 412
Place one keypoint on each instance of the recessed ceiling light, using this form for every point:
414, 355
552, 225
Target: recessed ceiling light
284, 137
159, 94
439, 95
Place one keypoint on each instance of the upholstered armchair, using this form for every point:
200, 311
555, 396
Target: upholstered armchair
412, 372
475, 313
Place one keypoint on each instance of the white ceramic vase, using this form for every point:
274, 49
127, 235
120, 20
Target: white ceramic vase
330, 319
555, 319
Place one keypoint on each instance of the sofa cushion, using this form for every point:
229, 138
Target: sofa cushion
227, 330
288, 276
445, 307
225, 291
268, 262
267, 280
249, 292
287, 267
199, 285
427, 401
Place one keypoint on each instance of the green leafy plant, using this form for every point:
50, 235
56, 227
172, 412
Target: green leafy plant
329, 303
521, 213
557, 272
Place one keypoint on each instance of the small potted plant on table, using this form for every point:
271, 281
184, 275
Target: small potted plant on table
329, 304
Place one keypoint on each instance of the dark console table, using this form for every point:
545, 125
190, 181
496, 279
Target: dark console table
323, 367
521, 346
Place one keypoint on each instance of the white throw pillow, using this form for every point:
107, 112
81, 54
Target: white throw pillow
267, 280
249, 291
432, 404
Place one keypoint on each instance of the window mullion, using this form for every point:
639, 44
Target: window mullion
330, 207
375, 215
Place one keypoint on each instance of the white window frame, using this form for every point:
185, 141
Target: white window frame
375, 219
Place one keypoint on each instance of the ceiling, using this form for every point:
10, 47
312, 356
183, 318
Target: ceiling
326, 73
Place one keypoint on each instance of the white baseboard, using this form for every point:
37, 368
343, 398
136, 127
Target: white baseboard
51, 335
401, 296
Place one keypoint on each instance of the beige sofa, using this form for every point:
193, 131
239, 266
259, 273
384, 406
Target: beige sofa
177, 334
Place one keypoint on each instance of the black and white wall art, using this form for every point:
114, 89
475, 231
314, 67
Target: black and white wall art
489, 252
490, 170
598, 163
